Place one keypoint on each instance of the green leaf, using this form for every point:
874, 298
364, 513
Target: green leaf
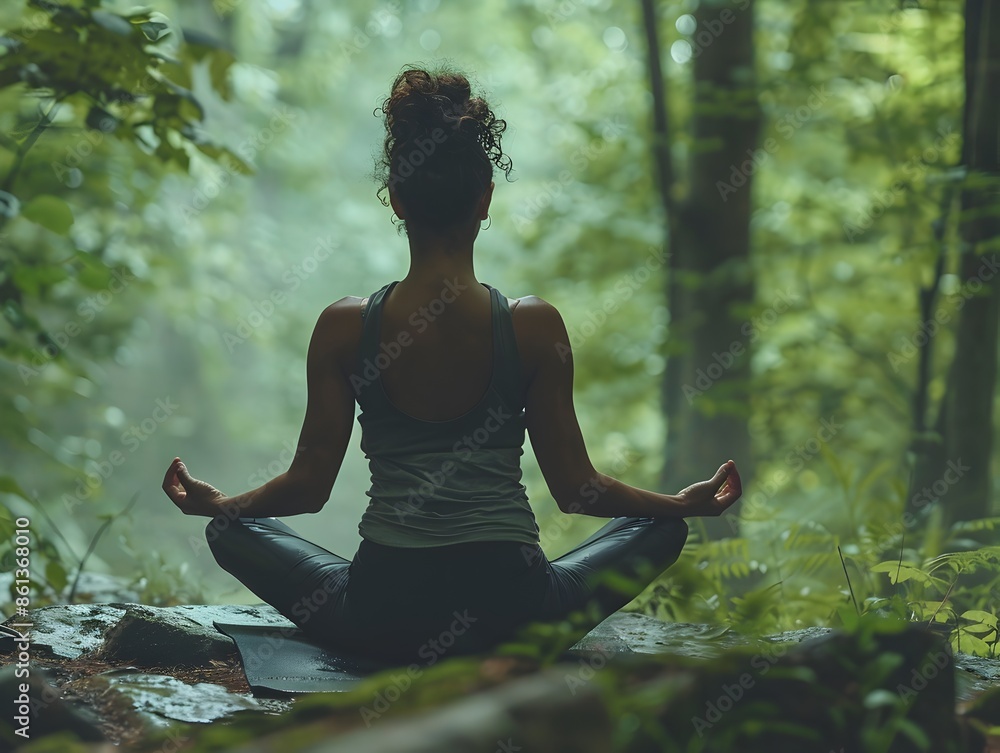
112, 22
10, 207
970, 644
881, 697
898, 573
7, 527
55, 574
100, 119
840, 472
153, 30
917, 735
848, 616
225, 157
34, 279
50, 212
92, 274
979, 628
191, 110
9, 486
977, 615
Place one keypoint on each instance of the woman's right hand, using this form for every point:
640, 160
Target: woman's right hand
192, 497
711, 498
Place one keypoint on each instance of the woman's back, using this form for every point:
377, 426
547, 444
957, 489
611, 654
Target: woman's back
443, 479
439, 348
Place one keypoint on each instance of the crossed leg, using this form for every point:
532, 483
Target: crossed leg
297, 577
308, 584
613, 566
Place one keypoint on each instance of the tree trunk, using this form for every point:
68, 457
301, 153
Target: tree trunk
957, 468
705, 388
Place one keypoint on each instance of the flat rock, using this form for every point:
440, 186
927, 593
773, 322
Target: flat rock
160, 637
144, 636
974, 675
201, 702
632, 632
70, 630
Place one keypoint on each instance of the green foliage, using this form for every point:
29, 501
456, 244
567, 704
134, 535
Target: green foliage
669, 710
911, 573
87, 96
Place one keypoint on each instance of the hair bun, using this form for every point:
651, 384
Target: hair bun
438, 134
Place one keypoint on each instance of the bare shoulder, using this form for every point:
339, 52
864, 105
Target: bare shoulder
338, 328
539, 316
540, 332
341, 312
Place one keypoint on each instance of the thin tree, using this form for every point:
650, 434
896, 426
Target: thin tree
706, 385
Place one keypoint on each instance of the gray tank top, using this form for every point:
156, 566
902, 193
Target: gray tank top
435, 483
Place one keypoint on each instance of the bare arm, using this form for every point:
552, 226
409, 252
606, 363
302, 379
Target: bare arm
559, 446
326, 431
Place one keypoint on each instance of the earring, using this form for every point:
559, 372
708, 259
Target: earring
491, 222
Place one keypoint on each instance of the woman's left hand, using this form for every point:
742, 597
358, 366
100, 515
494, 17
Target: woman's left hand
715, 496
192, 497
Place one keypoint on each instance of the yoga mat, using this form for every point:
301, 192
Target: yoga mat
283, 660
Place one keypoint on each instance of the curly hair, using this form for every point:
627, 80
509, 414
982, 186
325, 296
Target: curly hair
441, 145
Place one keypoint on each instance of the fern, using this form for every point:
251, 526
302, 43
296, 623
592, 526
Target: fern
967, 562
980, 524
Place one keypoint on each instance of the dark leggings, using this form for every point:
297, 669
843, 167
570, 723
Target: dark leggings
419, 604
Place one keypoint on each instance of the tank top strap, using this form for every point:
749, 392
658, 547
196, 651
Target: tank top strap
368, 348
375, 300
506, 359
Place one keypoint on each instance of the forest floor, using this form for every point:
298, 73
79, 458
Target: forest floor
632, 684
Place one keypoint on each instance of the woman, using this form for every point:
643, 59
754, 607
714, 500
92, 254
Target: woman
449, 374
